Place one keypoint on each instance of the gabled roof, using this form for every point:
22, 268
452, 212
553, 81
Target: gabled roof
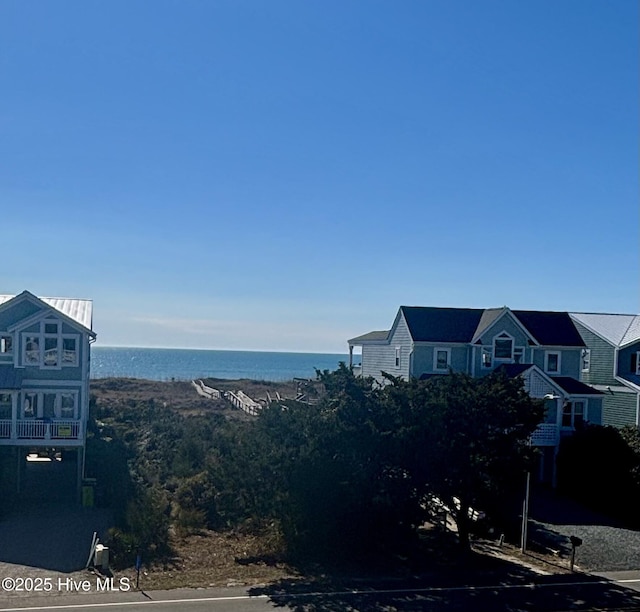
488, 318
570, 386
550, 328
80, 311
546, 328
574, 387
616, 329
514, 369
430, 324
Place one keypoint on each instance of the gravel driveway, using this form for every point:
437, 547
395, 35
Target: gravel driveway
606, 545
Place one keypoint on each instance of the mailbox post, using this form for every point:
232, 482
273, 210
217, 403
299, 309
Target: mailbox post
575, 542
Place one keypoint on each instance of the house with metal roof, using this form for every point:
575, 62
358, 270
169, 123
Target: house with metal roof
545, 348
44, 379
611, 363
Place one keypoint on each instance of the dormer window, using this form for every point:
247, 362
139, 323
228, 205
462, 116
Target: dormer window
503, 347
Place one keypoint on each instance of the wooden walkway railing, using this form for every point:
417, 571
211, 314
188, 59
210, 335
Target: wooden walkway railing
244, 402
204, 391
238, 399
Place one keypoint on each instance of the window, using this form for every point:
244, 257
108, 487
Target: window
32, 350
50, 405
487, 359
552, 362
635, 363
518, 355
6, 345
397, 362
503, 347
30, 406
50, 348
69, 351
585, 359
573, 414
441, 359
550, 410
68, 406
5, 405
51, 351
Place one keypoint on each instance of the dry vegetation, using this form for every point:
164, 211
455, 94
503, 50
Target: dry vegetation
208, 558
213, 559
182, 396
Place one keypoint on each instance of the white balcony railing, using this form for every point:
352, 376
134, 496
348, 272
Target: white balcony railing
36, 429
546, 434
5, 429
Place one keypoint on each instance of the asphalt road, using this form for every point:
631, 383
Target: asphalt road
546, 594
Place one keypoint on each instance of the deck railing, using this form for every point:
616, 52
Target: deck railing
546, 434
5, 429
38, 429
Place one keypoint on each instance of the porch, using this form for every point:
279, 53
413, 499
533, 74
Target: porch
546, 434
35, 432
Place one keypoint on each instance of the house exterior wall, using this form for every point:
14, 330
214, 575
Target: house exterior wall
15, 314
594, 410
424, 356
569, 360
377, 358
625, 362
601, 361
619, 408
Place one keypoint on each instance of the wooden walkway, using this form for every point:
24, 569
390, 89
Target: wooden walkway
238, 399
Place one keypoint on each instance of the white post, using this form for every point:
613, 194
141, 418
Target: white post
525, 515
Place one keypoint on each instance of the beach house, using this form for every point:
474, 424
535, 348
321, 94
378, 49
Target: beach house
559, 359
44, 384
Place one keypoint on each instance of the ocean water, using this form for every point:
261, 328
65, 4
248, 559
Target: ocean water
187, 364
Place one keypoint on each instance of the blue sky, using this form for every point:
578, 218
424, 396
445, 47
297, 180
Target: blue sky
283, 175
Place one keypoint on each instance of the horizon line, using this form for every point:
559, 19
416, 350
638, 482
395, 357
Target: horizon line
236, 350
